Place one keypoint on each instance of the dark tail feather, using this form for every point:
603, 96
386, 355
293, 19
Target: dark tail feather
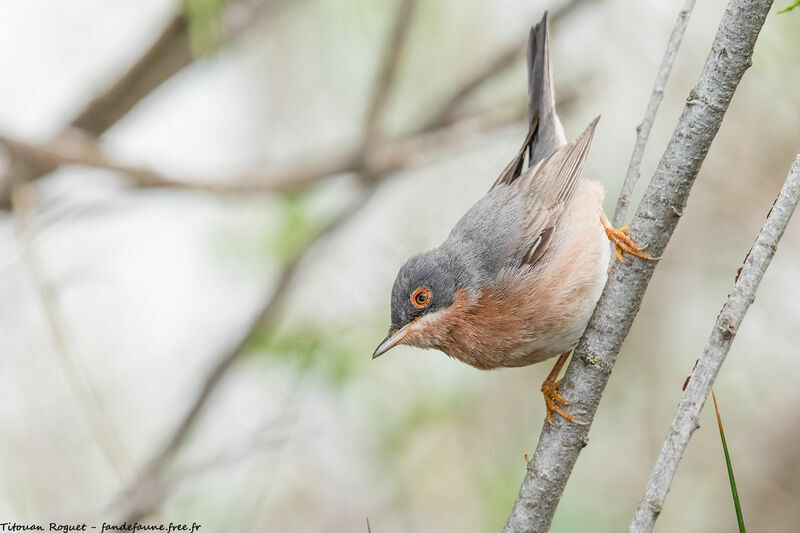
549, 135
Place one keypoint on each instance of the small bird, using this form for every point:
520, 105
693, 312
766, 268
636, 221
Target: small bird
518, 277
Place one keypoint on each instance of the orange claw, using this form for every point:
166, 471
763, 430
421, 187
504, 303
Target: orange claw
551, 396
623, 243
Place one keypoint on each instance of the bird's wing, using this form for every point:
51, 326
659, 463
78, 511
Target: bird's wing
547, 188
545, 133
513, 225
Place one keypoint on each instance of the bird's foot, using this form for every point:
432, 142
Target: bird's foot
552, 398
624, 244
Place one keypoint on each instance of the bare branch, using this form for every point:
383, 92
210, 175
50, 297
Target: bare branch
169, 54
705, 372
146, 493
643, 129
78, 379
385, 157
81, 147
654, 222
501, 61
388, 70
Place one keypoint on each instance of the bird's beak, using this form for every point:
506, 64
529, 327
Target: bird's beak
391, 340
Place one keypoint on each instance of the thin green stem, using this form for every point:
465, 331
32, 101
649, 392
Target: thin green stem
734, 492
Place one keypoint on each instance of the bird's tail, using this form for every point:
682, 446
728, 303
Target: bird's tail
549, 135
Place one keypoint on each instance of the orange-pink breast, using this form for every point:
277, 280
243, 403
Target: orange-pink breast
526, 315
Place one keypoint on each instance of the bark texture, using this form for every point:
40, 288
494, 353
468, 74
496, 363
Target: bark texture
654, 222
730, 318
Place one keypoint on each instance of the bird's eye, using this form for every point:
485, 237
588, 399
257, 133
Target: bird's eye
421, 297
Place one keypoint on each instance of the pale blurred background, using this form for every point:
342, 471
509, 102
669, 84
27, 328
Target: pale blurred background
147, 289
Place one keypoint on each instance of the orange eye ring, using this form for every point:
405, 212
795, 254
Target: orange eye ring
421, 298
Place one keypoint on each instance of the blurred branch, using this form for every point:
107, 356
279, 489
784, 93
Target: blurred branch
169, 54
655, 220
501, 61
79, 145
644, 127
385, 157
146, 493
727, 324
76, 376
387, 73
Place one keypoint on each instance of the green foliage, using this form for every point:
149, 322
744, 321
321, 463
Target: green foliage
271, 237
294, 228
790, 7
334, 355
498, 489
205, 28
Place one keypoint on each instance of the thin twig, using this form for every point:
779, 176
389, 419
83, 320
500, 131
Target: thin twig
727, 324
384, 81
654, 222
500, 61
387, 156
81, 147
75, 374
169, 54
643, 129
147, 492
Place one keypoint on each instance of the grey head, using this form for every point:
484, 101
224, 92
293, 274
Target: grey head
426, 283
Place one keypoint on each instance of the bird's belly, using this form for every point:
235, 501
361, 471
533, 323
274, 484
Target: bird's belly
532, 316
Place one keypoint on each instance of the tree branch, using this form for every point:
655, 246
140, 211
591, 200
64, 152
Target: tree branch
705, 372
78, 379
385, 157
501, 60
654, 222
148, 490
169, 54
643, 129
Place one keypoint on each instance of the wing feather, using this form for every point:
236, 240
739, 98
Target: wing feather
548, 187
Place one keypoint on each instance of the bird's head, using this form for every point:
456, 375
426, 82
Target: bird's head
425, 288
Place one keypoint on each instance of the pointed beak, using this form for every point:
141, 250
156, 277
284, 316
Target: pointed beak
391, 340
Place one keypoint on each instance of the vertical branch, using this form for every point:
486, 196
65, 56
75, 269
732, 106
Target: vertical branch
655, 220
727, 324
386, 73
643, 129
77, 378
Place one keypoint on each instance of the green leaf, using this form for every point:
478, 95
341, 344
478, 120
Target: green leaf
205, 28
337, 355
736, 503
295, 228
790, 7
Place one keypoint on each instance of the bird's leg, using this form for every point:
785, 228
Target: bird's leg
550, 391
623, 243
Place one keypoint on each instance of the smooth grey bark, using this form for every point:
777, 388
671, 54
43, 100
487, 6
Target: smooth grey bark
655, 220
727, 324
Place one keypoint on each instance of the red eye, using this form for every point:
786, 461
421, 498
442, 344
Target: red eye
421, 297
